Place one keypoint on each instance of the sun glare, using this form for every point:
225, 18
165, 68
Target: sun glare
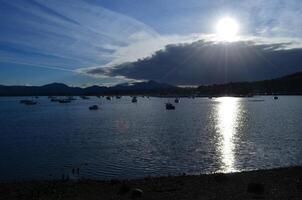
227, 29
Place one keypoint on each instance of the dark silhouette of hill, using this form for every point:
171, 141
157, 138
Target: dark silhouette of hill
49, 89
291, 85
59, 89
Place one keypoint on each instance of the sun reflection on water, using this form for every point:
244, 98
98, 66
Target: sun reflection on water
227, 121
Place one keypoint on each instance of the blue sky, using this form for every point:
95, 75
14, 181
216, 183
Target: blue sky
43, 41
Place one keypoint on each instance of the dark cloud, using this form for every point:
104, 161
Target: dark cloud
208, 62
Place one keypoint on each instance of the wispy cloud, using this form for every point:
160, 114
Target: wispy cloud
72, 34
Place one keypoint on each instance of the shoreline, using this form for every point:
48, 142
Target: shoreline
278, 183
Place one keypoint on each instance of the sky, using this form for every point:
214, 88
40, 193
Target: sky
107, 42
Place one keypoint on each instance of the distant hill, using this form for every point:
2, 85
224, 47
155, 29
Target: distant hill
291, 84
49, 89
59, 89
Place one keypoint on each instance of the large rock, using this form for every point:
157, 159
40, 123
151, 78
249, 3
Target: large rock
136, 193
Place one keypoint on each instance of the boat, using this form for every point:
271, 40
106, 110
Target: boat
108, 98
54, 100
84, 97
276, 98
23, 101
94, 107
71, 98
176, 100
64, 101
28, 102
31, 103
134, 100
118, 97
170, 106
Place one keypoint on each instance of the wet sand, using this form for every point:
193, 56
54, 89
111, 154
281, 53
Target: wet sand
282, 183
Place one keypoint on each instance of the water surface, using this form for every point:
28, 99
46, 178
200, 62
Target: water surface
131, 140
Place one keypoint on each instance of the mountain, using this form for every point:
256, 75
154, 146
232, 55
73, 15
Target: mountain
143, 86
290, 84
50, 89
59, 89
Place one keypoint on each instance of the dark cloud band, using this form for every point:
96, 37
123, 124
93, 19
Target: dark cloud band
204, 62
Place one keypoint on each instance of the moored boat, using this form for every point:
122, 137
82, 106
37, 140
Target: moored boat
170, 106
64, 101
28, 102
94, 107
54, 100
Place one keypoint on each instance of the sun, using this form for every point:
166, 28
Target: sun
227, 29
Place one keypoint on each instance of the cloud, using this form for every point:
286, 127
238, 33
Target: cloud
84, 37
208, 62
70, 34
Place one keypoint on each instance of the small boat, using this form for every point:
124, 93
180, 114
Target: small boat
108, 98
23, 101
276, 98
176, 100
118, 97
84, 97
170, 106
71, 98
134, 100
54, 100
94, 107
28, 102
64, 101
31, 103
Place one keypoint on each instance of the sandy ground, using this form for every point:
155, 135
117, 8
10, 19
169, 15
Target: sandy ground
283, 183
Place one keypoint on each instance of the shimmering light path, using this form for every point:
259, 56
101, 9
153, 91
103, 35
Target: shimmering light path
227, 121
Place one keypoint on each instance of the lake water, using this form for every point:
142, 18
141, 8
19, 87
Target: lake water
131, 140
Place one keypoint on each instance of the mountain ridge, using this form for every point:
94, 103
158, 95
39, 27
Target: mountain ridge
290, 84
